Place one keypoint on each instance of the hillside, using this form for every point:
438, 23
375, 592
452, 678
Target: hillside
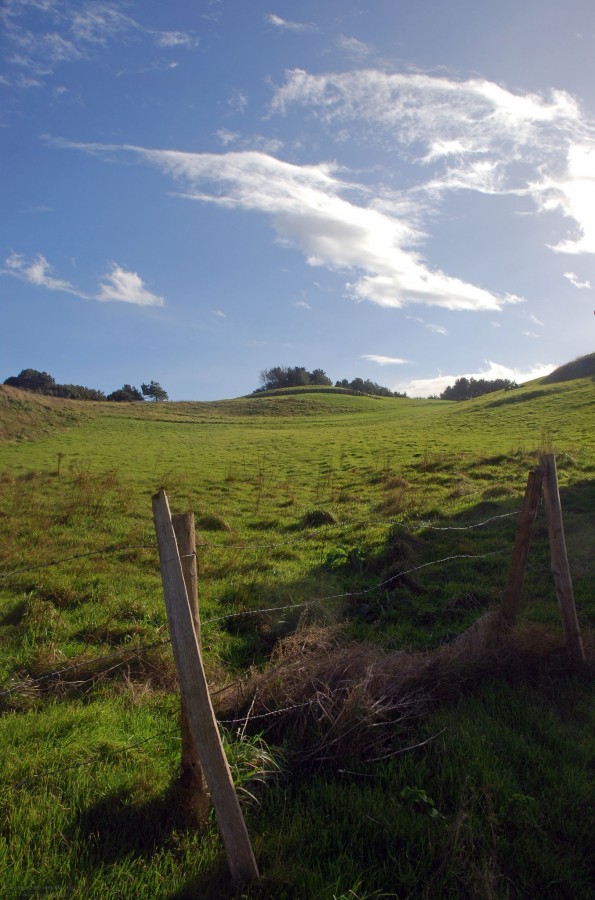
582, 367
25, 416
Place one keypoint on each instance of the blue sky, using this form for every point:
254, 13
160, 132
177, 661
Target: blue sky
396, 190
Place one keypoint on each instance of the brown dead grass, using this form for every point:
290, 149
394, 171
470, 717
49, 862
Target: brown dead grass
337, 700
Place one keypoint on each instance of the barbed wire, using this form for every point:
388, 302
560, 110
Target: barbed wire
25, 686
244, 545
352, 593
130, 652
466, 527
118, 751
57, 562
273, 712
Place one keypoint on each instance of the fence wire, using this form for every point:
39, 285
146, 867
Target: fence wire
91, 760
244, 545
130, 652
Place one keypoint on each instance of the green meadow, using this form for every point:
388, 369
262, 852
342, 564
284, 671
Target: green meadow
337, 536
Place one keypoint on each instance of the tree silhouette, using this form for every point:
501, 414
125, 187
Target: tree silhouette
154, 391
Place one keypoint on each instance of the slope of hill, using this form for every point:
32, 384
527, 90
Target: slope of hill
25, 416
582, 367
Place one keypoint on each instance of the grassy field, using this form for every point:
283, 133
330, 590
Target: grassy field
468, 773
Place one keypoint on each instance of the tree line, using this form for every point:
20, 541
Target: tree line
298, 376
43, 383
467, 388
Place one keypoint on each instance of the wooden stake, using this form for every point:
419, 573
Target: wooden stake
195, 693
194, 798
520, 554
560, 567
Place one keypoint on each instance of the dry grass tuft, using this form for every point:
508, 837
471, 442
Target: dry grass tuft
339, 701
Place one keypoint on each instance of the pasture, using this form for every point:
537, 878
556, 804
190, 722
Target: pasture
326, 522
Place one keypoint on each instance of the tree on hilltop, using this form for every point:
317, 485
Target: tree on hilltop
291, 376
32, 380
126, 393
154, 391
467, 388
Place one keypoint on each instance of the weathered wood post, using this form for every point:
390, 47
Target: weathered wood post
193, 788
520, 554
560, 567
197, 702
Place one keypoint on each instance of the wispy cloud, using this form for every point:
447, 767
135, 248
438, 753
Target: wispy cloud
536, 321
38, 272
126, 287
226, 136
288, 25
352, 47
576, 282
427, 387
219, 313
237, 101
117, 285
309, 208
302, 303
472, 134
436, 329
41, 35
176, 39
37, 209
385, 360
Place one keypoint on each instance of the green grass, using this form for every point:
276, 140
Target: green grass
298, 497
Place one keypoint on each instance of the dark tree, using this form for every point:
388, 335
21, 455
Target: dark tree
154, 391
125, 394
32, 380
319, 376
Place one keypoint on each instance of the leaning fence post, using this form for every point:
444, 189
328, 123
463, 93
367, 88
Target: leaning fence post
520, 554
560, 567
195, 693
193, 788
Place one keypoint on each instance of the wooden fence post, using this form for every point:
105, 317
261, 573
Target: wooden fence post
560, 567
193, 789
195, 693
520, 554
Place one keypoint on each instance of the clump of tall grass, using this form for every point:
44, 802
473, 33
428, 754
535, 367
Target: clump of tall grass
334, 700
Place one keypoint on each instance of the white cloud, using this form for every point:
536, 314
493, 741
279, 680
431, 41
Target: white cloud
474, 134
427, 387
575, 280
385, 360
36, 272
536, 321
308, 210
302, 303
573, 194
530, 334
118, 284
287, 25
219, 313
126, 287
